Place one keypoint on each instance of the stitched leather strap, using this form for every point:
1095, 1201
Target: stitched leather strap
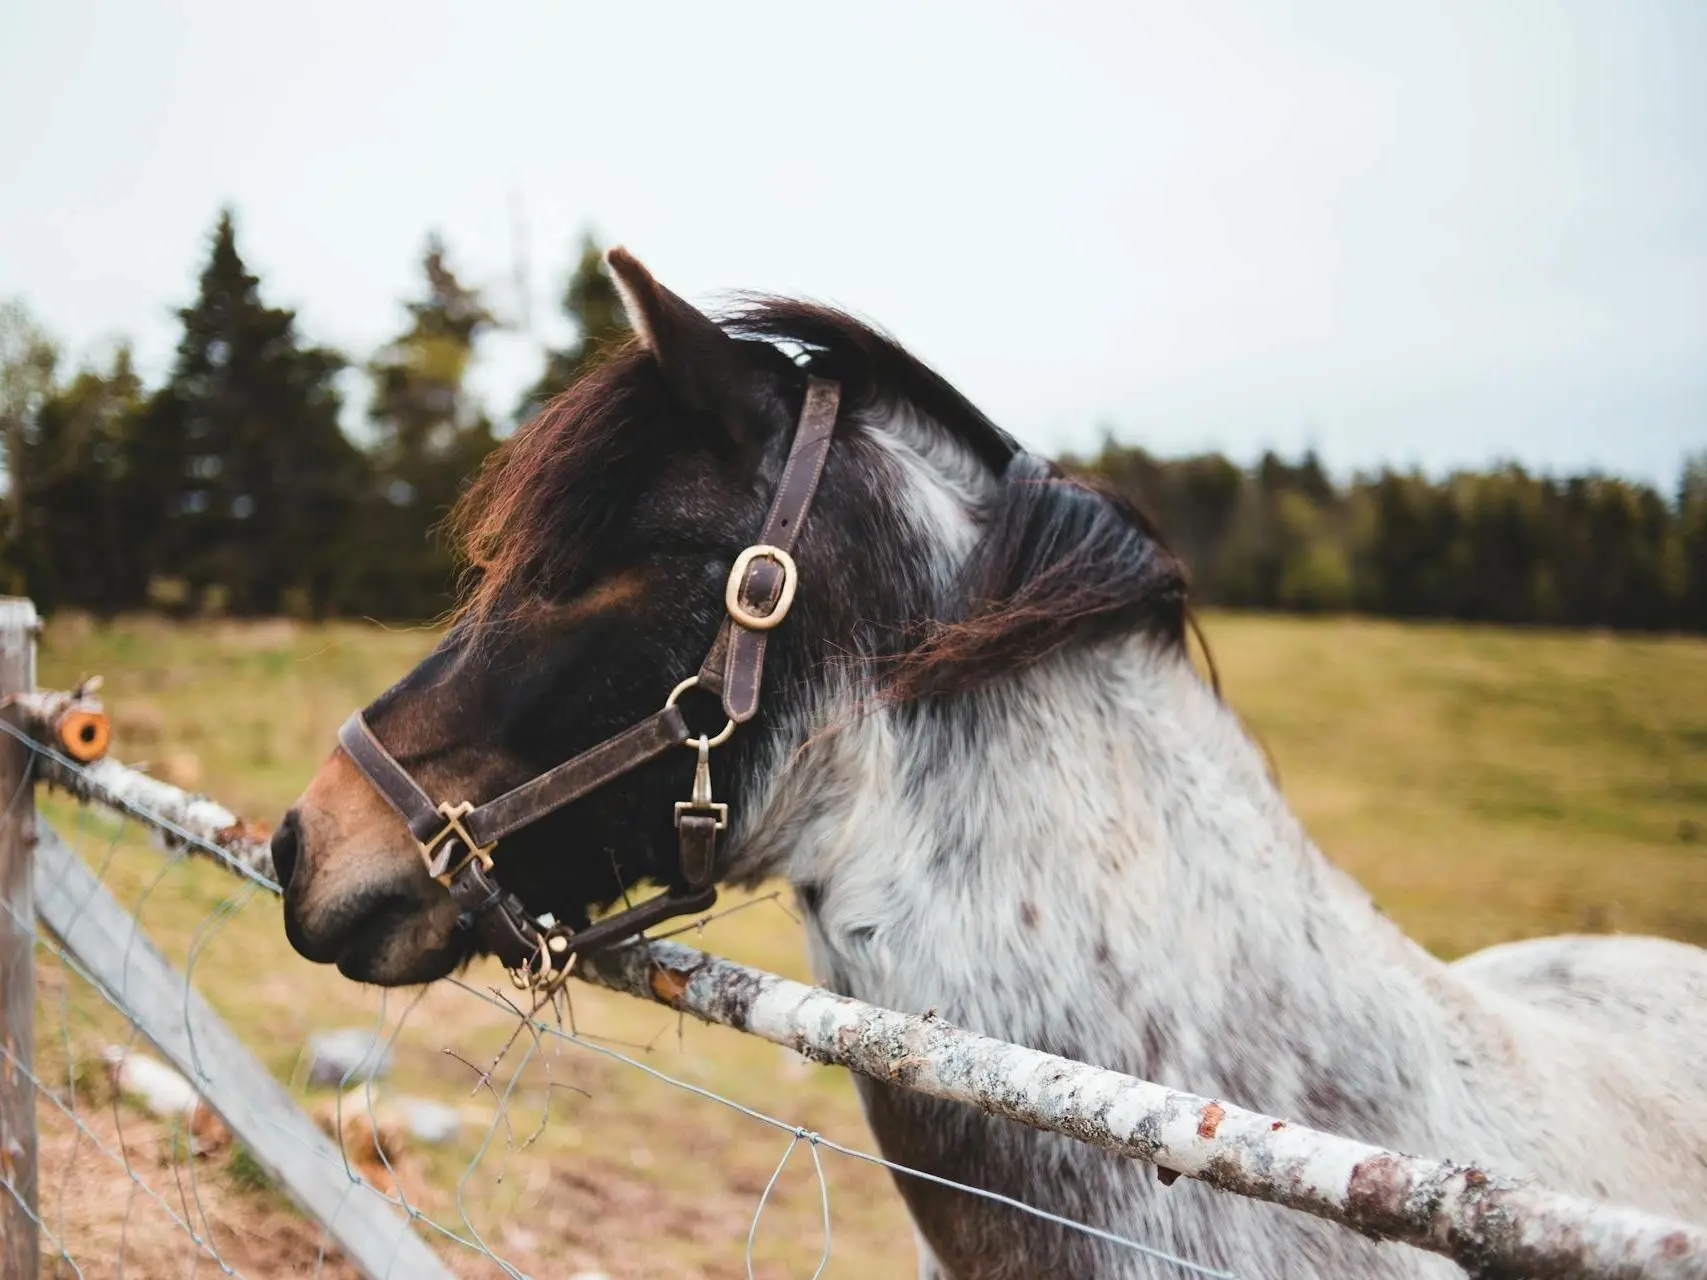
390, 779
521, 805
697, 838
500, 922
626, 924
574, 778
502, 926
735, 666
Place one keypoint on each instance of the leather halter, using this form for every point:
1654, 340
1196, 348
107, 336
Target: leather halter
457, 839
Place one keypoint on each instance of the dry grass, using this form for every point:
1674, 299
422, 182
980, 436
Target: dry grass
1489, 784
1484, 784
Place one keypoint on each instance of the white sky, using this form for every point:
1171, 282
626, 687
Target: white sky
1435, 233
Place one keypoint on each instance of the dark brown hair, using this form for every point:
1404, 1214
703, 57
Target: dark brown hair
1061, 559
544, 496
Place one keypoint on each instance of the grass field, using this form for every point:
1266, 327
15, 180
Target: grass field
1483, 784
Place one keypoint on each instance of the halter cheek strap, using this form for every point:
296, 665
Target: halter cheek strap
457, 839
761, 587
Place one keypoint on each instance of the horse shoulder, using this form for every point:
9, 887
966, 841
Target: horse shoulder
1651, 988
1613, 1030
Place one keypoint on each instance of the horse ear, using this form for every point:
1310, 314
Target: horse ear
699, 360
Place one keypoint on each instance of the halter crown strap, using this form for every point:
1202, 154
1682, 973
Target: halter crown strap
758, 596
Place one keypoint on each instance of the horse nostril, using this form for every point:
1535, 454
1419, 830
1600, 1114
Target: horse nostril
287, 843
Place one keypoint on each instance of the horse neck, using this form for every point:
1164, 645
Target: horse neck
1090, 858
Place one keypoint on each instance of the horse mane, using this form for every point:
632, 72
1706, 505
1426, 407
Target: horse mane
544, 496
1061, 559
872, 367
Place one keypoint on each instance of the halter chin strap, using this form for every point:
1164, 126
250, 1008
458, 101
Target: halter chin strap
457, 839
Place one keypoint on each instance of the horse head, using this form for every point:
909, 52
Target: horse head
600, 541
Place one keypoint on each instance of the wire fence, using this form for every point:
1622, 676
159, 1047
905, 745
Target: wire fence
452, 1130
140, 1176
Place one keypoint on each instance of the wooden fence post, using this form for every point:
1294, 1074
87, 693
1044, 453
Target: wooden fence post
20, 1249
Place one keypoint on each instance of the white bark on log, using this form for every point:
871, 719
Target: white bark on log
133, 793
1493, 1227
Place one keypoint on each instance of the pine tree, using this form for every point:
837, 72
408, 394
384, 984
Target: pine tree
594, 307
430, 436
75, 545
1692, 533
28, 361
239, 463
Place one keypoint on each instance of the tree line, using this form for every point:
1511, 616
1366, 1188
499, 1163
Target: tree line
234, 486
237, 485
1483, 546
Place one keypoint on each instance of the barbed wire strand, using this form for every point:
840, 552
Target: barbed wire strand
70, 963
480, 1154
368, 1059
205, 931
136, 932
398, 1198
64, 994
142, 813
57, 1239
53, 1238
811, 1140
187, 838
712, 1095
122, 1158
43, 1091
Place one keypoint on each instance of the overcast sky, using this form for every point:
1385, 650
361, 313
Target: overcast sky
1426, 233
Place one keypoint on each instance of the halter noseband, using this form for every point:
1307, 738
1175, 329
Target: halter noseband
456, 840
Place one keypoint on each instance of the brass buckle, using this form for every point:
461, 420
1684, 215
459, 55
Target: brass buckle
702, 801
732, 592
453, 814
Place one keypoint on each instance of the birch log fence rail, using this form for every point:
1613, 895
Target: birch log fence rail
1491, 1225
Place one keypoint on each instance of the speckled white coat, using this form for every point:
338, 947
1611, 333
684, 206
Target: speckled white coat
1090, 858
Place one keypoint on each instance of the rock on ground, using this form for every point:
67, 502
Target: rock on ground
346, 1056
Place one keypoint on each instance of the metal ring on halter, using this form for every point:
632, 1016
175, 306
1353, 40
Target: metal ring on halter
526, 975
692, 743
537, 973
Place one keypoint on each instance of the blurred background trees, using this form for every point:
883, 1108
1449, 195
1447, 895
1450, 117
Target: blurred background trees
235, 479
594, 308
1497, 546
237, 486
429, 436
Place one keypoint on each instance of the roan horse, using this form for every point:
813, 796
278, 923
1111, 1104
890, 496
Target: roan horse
1000, 791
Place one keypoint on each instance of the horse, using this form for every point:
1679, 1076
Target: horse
982, 756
